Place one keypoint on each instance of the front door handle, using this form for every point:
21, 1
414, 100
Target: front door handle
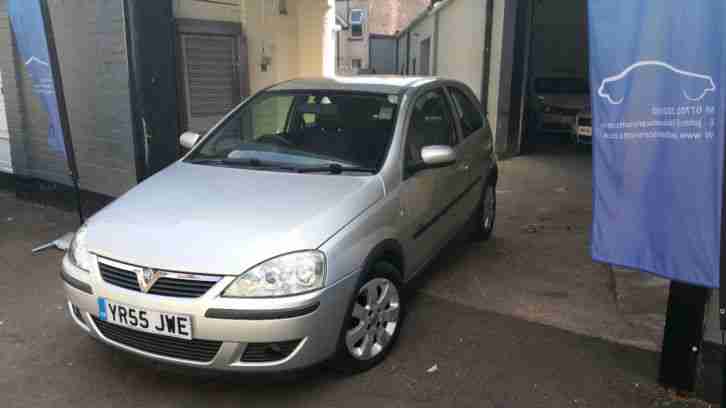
464, 166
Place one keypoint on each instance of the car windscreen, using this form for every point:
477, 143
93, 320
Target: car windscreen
561, 86
299, 130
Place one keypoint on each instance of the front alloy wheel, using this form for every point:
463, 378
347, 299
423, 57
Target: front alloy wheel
373, 321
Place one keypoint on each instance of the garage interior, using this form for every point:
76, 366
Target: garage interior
551, 71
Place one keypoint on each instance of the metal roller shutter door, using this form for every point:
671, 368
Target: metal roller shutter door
211, 78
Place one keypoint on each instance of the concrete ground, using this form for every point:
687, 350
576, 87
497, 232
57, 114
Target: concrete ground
539, 268
524, 320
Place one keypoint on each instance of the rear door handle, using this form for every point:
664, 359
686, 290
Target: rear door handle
464, 166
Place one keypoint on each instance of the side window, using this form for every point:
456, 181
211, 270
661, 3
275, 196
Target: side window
356, 23
269, 115
469, 116
431, 124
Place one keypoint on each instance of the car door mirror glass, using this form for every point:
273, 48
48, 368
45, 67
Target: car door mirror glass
188, 139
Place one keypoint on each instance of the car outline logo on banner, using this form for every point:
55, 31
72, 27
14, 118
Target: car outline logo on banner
711, 87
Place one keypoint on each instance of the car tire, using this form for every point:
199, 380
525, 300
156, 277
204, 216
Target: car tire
359, 347
482, 223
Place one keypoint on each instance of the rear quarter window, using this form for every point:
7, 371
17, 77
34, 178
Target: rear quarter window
469, 116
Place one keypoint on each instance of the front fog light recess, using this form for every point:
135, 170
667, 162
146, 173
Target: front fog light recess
285, 275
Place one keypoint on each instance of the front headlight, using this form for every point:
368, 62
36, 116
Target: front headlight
285, 275
78, 251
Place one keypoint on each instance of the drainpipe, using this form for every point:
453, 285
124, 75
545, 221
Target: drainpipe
435, 51
397, 51
408, 51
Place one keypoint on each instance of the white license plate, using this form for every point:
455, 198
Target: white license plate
584, 130
150, 321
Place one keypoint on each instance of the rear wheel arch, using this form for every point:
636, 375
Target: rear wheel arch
493, 176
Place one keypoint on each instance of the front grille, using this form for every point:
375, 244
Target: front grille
555, 126
584, 122
165, 286
192, 350
268, 352
119, 277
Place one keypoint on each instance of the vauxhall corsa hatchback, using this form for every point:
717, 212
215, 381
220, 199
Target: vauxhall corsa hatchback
284, 237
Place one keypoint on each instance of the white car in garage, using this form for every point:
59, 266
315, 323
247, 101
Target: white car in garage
557, 102
582, 128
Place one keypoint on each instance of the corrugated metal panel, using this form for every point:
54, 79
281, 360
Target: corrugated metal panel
211, 78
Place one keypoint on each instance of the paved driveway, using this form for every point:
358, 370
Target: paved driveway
526, 320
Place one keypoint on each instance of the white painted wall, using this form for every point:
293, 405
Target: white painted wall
420, 32
5, 161
299, 44
220, 10
502, 54
461, 42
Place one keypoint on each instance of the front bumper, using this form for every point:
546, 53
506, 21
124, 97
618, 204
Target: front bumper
236, 322
555, 122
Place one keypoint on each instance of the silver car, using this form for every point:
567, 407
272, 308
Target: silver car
285, 236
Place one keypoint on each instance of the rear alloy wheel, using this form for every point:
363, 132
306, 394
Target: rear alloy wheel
486, 214
373, 321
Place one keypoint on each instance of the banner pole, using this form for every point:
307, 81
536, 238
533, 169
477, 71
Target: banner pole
722, 274
61, 101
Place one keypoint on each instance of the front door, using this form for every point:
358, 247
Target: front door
426, 195
5, 162
475, 148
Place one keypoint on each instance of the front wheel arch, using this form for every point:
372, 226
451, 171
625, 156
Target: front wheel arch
390, 251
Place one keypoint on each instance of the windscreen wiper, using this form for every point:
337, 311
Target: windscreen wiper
335, 168
249, 163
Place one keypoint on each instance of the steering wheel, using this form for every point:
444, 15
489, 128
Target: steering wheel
275, 138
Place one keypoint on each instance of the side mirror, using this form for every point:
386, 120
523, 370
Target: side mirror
434, 156
188, 139
438, 156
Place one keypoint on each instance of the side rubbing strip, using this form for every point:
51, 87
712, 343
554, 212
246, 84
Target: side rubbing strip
443, 212
233, 314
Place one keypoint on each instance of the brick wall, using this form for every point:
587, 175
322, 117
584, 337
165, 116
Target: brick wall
92, 50
389, 16
13, 95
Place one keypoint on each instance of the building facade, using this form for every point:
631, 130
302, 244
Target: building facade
366, 39
137, 73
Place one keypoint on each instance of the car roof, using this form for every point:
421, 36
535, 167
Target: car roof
385, 84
